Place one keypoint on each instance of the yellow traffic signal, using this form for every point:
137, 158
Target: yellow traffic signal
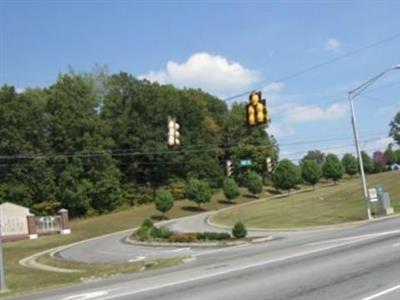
251, 115
256, 110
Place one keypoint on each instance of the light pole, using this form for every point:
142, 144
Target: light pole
353, 94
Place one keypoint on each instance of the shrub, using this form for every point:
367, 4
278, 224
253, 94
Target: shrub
239, 230
182, 238
161, 233
213, 236
147, 223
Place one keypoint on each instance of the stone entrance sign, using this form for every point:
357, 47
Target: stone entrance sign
13, 220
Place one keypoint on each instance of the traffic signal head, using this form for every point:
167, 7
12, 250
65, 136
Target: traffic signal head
173, 132
251, 115
229, 168
256, 110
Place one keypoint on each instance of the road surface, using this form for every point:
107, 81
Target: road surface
361, 262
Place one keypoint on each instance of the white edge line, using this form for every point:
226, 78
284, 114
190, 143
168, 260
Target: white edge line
382, 293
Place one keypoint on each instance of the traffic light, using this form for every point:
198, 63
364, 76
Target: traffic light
173, 132
229, 168
269, 165
256, 110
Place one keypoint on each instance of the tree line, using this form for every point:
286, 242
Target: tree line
93, 142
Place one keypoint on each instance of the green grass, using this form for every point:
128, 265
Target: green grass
326, 205
21, 280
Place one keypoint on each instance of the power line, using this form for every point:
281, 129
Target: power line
312, 68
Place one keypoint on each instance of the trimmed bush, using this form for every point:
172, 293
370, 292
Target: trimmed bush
239, 230
161, 233
182, 238
213, 236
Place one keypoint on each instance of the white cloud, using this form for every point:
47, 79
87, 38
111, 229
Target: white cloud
310, 113
19, 90
333, 44
273, 88
212, 73
278, 130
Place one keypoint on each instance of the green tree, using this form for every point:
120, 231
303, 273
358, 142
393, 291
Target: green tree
367, 163
254, 183
390, 156
311, 172
395, 128
164, 201
198, 191
286, 175
316, 155
397, 152
230, 188
350, 164
332, 168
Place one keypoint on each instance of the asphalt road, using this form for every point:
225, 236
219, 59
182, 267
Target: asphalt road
361, 262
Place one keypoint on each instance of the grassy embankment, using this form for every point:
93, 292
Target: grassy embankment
21, 279
326, 205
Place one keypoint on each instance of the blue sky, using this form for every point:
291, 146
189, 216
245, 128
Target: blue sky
224, 47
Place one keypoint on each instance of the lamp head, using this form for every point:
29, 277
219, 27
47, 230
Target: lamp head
396, 67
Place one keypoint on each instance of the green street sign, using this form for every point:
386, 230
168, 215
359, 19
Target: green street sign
245, 163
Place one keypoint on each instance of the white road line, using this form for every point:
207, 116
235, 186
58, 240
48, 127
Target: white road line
396, 245
226, 271
358, 237
178, 250
385, 292
137, 258
221, 249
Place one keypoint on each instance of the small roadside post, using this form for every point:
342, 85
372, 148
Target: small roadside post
373, 199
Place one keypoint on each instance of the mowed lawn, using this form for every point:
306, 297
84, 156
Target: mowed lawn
326, 205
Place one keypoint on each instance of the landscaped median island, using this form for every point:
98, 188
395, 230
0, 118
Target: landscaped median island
327, 205
149, 234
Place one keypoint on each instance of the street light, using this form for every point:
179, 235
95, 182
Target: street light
353, 94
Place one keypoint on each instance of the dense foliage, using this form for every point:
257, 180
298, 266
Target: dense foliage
311, 172
350, 164
239, 231
93, 142
198, 191
253, 183
332, 168
230, 189
286, 175
164, 201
